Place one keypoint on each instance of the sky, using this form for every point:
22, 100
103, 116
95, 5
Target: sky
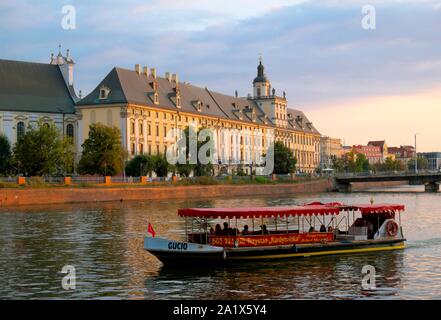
354, 84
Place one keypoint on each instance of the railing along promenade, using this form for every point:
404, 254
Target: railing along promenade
143, 180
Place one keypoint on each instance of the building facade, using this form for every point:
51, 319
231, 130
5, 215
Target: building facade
330, 148
433, 158
33, 92
148, 108
372, 153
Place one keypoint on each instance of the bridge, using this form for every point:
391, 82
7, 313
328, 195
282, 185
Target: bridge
430, 179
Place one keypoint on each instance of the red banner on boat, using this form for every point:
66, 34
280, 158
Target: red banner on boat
271, 240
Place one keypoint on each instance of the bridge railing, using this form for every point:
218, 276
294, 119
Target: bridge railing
385, 174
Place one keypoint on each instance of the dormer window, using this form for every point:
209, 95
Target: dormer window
199, 106
104, 92
178, 101
156, 98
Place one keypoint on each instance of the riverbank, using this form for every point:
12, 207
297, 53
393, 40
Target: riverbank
57, 195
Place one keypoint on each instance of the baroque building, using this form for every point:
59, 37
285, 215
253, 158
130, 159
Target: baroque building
148, 108
32, 92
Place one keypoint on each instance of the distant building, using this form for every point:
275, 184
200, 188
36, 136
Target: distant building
403, 153
434, 159
383, 148
372, 153
330, 148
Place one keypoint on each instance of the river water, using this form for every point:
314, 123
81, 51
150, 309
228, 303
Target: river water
104, 242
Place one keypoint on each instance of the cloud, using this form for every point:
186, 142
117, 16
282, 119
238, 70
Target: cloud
316, 51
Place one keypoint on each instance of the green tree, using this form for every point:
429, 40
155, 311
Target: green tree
422, 164
43, 151
284, 160
160, 165
199, 169
357, 162
141, 165
390, 165
339, 164
103, 152
5, 155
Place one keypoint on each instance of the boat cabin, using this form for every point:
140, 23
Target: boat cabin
272, 226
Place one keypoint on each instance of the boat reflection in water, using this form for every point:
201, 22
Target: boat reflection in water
325, 277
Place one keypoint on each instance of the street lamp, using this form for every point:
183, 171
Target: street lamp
416, 154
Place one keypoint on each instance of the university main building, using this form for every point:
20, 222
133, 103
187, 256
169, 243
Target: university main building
147, 107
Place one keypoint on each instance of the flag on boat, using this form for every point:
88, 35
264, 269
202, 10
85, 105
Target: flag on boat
151, 230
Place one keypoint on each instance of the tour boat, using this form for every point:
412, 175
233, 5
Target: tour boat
282, 232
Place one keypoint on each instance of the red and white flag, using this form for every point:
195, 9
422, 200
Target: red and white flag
151, 230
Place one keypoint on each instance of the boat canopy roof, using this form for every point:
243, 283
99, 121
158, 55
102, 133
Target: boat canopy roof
315, 208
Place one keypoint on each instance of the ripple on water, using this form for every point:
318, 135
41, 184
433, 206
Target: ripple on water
104, 243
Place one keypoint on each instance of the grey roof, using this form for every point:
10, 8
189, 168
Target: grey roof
297, 120
34, 87
127, 86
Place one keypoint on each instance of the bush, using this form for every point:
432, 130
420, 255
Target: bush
260, 179
4, 185
35, 182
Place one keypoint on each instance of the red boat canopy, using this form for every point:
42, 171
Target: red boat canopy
315, 208
374, 208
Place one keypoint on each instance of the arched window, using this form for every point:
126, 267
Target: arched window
20, 130
70, 131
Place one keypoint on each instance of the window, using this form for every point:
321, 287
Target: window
92, 116
157, 131
141, 129
150, 130
258, 92
104, 93
165, 131
132, 127
20, 130
70, 131
109, 117
156, 99
141, 149
133, 149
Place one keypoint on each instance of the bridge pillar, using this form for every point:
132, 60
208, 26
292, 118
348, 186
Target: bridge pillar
431, 187
344, 187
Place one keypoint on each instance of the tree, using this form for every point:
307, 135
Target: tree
5, 155
141, 165
284, 160
357, 162
43, 151
103, 152
422, 164
389, 165
199, 169
160, 165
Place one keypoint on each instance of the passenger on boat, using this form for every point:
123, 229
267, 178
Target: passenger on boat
322, 228
211, 231
218, 230
245, 231
264, 230
227, 231
330, 229
311, 229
